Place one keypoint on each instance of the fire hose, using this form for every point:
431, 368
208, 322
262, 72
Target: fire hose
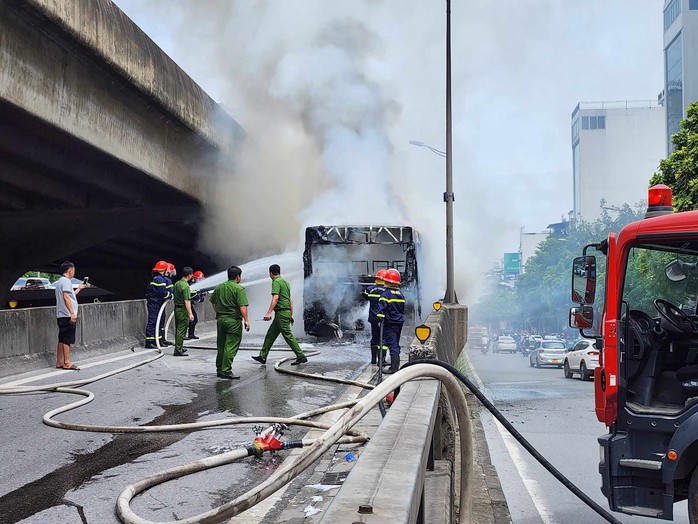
269, 440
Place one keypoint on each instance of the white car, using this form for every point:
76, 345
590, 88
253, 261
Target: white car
505, 343
583, 358
548, 353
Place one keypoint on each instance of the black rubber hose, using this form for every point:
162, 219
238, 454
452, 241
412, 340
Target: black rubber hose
381, 404
519, 437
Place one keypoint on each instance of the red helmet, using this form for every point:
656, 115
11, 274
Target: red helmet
392, 276
161, 265
381, 274
171, 269
199, 274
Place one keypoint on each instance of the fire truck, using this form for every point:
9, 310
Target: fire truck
646, 386
340, 261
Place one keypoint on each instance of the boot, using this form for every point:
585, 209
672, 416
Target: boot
374, 354
394, 365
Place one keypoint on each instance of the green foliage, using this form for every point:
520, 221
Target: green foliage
36, 274
680, 170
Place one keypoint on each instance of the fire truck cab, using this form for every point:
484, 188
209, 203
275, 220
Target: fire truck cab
646, 386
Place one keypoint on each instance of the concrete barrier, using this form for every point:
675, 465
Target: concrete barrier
28, 337
395, 477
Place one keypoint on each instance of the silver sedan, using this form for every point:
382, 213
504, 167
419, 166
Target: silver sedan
548, 353
505, 343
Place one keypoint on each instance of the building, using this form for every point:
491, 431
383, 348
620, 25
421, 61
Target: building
616, 148
680, 62
528, 244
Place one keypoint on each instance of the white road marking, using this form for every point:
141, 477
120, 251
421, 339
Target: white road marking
72, 372
515, 452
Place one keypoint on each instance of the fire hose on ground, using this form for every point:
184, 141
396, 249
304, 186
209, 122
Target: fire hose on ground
269, 440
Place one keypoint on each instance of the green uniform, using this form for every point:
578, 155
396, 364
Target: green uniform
227, 299
181, 293
282, 319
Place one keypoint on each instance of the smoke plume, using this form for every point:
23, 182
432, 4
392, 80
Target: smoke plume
331, 93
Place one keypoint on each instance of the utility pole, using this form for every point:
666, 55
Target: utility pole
450, 297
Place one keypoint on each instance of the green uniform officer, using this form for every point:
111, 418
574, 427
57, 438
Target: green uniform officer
230, 302
182, 310
282, 306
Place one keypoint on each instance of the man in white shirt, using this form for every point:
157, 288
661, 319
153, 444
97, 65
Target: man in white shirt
66, 315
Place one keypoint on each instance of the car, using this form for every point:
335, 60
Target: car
505, 343
548, 353
19, 284
36, 283
583, 358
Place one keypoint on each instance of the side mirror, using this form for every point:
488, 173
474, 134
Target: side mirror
676, 271
582, 317
584, 280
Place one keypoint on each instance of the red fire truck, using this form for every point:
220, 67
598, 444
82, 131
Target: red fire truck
646, 387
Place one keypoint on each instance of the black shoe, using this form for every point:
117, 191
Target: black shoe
229, 376
165, 343
149, 345
299, 360
180, 355
394, 365
193, 337
184, 351
374, 355
261, 360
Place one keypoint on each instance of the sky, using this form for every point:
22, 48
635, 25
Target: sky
331, 93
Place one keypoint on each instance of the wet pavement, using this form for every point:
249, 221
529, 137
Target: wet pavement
52, 475
557, 416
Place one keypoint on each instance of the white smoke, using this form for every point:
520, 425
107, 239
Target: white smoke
330, 93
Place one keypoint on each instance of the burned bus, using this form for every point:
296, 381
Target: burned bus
339, 262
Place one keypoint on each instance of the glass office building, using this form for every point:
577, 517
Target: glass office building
680, 62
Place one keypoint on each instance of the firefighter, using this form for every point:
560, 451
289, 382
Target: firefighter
197, 298
282, 306
230, 302
182, 310
373, 293
156, 293
391, 312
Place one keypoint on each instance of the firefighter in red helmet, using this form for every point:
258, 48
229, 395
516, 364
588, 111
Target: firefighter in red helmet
373, 294
156, 293
391, 312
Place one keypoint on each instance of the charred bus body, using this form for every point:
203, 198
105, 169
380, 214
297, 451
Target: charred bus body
339, 262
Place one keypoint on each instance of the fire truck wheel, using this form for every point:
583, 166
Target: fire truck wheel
568, 372
583, 371
693, 498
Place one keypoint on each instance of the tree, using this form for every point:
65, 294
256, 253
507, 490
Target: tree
680, 170
542, 297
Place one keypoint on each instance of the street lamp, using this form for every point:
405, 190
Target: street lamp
450, 297
430, 148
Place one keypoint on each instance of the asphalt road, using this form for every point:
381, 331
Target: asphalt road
557, 416
57, 476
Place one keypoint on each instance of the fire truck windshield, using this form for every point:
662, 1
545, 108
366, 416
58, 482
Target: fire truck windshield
647, 279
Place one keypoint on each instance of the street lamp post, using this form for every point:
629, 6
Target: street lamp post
450, 296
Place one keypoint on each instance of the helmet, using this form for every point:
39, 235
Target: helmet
199, 274
381, 274
392, 276
171, 269
161, 266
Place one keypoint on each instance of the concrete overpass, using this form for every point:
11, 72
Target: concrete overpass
104, 145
